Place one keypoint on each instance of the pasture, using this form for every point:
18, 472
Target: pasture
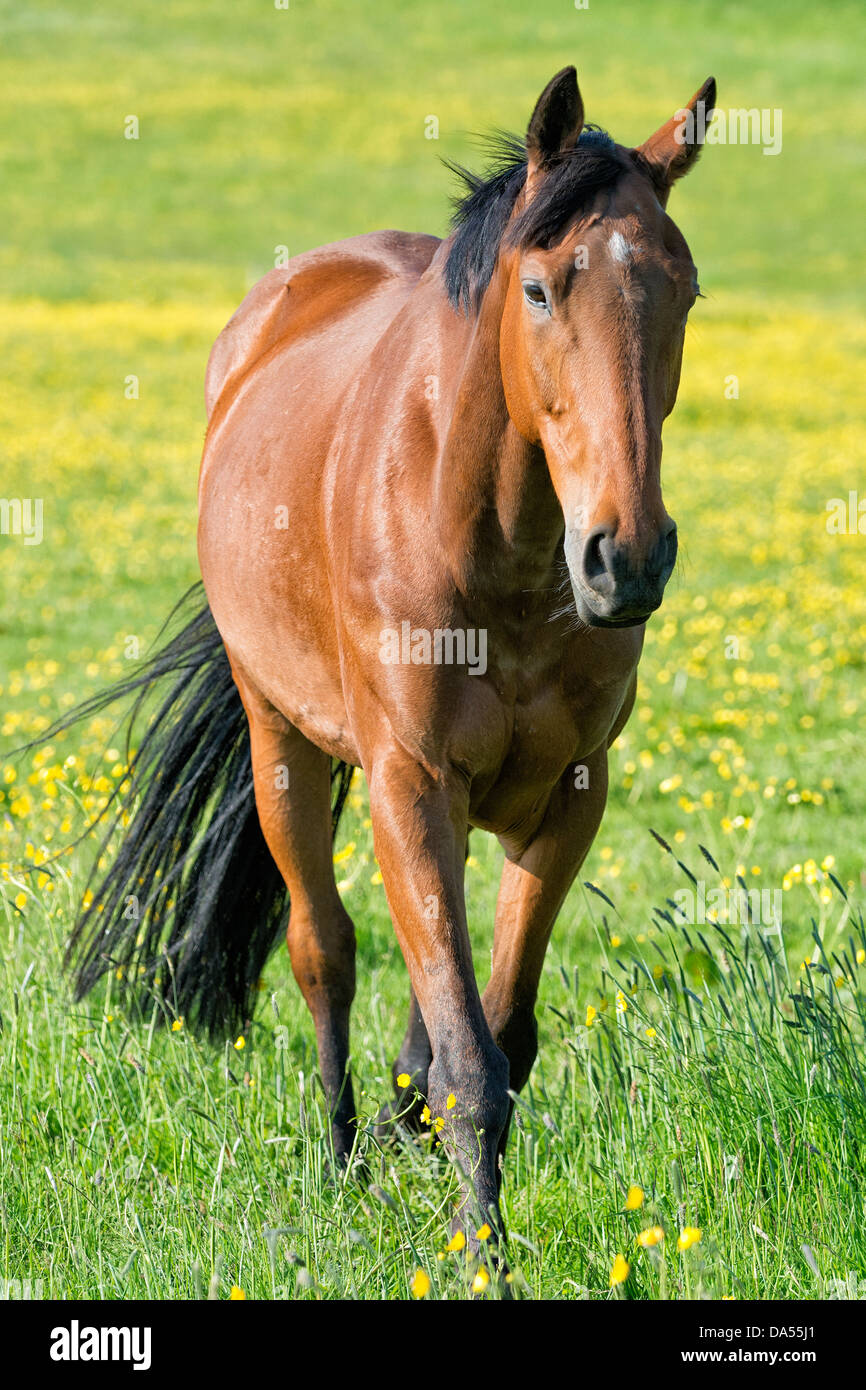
720, 1067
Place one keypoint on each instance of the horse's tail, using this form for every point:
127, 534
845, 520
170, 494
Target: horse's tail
192, 904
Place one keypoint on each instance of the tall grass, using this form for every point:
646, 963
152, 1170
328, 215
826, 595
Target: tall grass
723, 1080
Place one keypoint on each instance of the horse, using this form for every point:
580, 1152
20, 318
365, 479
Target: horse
439, 439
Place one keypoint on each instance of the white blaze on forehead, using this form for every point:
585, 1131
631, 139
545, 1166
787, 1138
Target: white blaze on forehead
620, 249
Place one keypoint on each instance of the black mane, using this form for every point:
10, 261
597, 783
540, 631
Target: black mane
482, 211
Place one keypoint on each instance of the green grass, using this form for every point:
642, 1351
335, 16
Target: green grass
136, 1161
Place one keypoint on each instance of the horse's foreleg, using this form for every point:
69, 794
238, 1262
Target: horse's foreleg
413, 1060
531, 892
293, 799
419, 825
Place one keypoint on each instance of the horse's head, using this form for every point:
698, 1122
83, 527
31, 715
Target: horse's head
599, 286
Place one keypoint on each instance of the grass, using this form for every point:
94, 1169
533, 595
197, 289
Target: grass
135, 1161
139, 1163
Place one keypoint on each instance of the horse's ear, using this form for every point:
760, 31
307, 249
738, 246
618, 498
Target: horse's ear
672, 151
556, 121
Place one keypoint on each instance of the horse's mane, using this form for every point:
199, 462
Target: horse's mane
482, 210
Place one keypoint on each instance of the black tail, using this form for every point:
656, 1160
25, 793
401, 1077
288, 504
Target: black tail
193, 904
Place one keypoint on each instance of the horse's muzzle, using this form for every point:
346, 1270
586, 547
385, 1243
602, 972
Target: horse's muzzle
611, 587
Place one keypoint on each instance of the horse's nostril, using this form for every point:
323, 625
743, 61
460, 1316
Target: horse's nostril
595, 565
667, 551
663, 555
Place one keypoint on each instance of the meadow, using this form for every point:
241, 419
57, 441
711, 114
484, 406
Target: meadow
696, 1123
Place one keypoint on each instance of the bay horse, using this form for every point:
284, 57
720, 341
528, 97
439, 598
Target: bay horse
437, 438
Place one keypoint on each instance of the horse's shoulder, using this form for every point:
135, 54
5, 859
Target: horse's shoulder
322, 284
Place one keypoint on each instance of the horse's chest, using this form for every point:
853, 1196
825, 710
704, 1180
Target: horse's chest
551, 725
554, 725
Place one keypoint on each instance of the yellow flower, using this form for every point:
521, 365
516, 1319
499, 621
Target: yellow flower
241, 1043
480, 1282
456, 1243
651, 1236
689, 1235
619, 1273
483, 1232
451, 1102
650, 1032
621, 1002
345, 853
403, 1079
21, 900
420, 1286
237, 1293
376, 878
861, 957
591, 1015
615, 941
177, 1025
425, 1114
634, 1199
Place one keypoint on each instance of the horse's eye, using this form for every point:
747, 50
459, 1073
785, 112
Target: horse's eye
535, 295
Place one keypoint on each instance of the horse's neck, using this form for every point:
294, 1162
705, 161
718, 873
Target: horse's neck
498, 518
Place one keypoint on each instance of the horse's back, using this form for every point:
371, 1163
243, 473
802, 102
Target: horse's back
311, 292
